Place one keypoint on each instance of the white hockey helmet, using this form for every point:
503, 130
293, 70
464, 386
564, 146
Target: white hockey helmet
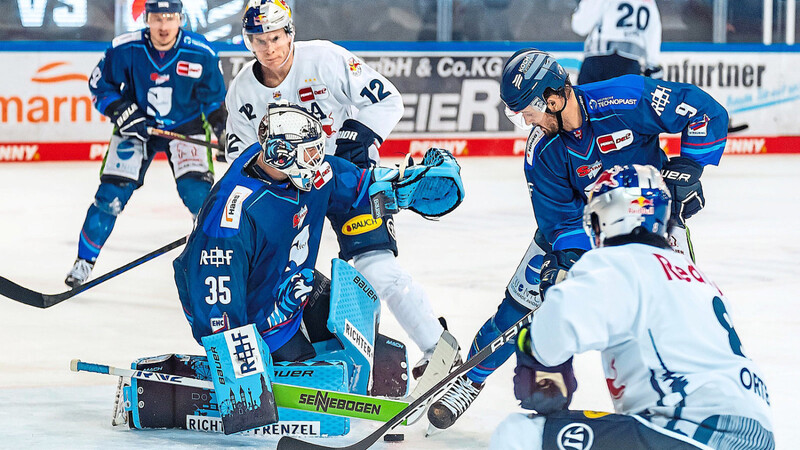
263, 16
624, 198
293, 142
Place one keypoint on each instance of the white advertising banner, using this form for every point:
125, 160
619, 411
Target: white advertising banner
451, 98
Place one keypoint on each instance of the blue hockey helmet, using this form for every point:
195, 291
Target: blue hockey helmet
263, 16
293, 142
529, 76
624, 198
163, 6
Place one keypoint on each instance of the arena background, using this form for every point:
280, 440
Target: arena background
445, 57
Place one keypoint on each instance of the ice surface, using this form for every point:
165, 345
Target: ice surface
745, 240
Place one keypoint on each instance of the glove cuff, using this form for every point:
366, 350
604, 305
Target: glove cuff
353, 130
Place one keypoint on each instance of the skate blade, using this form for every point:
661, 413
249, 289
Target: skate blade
432, 430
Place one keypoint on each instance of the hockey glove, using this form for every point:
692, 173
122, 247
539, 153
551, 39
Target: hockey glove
431, 189
538, 387
130, 120
682, 176
354, 141
555, 266
217, 120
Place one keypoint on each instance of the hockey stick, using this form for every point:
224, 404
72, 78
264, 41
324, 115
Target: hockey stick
286, 396
290, 443
180, 137
29, 297
737, 128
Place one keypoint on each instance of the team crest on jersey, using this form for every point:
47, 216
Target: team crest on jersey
220, 323
699, 127
323, 175
590, 171
276, 95
300, 217
232, 213
189, 69
606, 179
355, 66
578, 134
615, 141
159, 78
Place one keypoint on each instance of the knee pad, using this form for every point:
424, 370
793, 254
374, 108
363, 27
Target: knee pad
112, 196
386, 276
193, 192
406, 299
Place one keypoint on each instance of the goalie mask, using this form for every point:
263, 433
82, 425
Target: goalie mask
263, 16
624, 198
292, 141
529, 76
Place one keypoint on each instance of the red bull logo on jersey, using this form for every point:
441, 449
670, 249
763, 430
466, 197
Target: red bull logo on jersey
615, 141
642, 206
699, 127
361, 224
355, 66
189, 69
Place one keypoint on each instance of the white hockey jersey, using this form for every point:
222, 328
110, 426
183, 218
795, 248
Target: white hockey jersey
632, 28
326, 79
666, 338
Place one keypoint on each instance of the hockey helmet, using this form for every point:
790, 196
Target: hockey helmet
529, 76
293, 142
263, 16
163, 6
624, 198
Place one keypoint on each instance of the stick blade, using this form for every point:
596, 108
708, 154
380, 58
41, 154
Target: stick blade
21, 294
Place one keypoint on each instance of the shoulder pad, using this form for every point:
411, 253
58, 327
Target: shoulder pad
533, 141
197, 41
126, 38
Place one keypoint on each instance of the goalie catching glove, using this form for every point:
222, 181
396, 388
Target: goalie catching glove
431, 189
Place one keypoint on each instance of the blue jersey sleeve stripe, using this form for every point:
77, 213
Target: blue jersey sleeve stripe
703, 151
363, 188
701, 144
103, 104
572, 239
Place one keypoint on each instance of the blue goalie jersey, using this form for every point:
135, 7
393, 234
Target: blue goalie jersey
172, 87
251, 256
622, 120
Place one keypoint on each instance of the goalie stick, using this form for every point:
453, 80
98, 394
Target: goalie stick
290, 443
30, 297
180, 137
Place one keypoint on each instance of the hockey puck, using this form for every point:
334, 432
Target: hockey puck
394, 437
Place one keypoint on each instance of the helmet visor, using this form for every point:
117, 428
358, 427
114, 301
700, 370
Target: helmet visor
529, 116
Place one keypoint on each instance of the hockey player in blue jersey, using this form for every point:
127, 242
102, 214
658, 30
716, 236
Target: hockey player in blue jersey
675, 367
251, 256
580, 131
164, 77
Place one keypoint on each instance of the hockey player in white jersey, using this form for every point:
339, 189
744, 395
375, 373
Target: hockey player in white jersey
674, 364
358, 108
622, 37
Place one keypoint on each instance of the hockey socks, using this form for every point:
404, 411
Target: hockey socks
507, 314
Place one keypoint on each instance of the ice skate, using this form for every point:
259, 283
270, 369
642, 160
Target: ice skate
446, 410
80, 273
